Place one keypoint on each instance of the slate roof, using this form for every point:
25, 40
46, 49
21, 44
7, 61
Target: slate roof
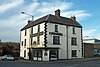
53, 19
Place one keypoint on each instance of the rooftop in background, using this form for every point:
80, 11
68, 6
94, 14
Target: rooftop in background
96, 41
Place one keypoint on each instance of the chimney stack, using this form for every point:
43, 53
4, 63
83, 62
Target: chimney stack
57, 13
73, 18
29, 21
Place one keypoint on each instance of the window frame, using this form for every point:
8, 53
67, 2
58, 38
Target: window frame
22, 43
56, 40
25, 32
73, 41
53, 54
25, 42
73, 30
56, 28
74, 53
24, 53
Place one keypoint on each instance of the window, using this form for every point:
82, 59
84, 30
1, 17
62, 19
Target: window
73, 30
56, 28
22, 43
74, 53
74, 41
53, 53
25, 32
37, 53
56, 40
24, 53
25, 43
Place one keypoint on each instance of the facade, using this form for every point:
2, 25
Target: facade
88, 50
51, 37
96, 45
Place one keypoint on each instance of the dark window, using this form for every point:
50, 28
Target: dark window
22, 43
53, 53
25, 32
24, 53
73, 29
56, 40
25, 43
74, 41
74, 53
37, 53
56, 28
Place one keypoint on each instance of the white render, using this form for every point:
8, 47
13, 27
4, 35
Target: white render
65, 40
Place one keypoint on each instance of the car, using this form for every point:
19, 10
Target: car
7, 57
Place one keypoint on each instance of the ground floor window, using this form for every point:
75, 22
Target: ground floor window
53, 53
24, 53
37, 53
74, 53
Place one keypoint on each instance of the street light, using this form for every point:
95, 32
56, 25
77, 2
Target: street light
31, 34
29, 15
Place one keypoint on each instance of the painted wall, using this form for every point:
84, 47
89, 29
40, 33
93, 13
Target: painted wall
67, 34
23, 37
62, 46
28, 39
77, 47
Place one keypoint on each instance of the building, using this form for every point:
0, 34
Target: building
51, 37
95, 43
88, 50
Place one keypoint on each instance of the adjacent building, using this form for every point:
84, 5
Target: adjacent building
51, 37
95, 43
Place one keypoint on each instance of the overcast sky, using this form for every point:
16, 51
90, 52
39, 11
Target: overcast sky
11, 19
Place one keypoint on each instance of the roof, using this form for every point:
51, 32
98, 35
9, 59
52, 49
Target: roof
91, 39
53, 19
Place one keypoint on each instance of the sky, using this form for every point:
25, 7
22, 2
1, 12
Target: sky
87, 13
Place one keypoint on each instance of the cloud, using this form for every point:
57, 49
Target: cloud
5, 7
80, 14
10, 27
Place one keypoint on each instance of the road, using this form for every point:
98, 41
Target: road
90, 63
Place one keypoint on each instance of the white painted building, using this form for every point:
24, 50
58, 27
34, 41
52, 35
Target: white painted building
51, 37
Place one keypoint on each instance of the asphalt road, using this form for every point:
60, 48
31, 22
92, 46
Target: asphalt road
90, 63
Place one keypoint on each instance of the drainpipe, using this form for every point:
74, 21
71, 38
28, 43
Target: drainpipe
67, 39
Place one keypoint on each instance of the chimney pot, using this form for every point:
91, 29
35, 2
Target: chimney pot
57, 12
73, 18
29, 21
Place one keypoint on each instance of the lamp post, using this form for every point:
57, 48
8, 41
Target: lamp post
30, 35
29, 15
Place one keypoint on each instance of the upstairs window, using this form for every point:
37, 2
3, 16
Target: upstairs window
25, 43
25, 32
73, 30
56, 28
56, 40
22, 43
74, 41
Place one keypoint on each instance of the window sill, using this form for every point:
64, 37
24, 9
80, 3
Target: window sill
56, 44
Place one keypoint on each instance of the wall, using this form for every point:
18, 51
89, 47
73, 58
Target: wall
23, 37
77, 47
63, 45
88, 50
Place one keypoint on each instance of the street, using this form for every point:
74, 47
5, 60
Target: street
89, 63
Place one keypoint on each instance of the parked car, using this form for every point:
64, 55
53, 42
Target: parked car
7, 57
